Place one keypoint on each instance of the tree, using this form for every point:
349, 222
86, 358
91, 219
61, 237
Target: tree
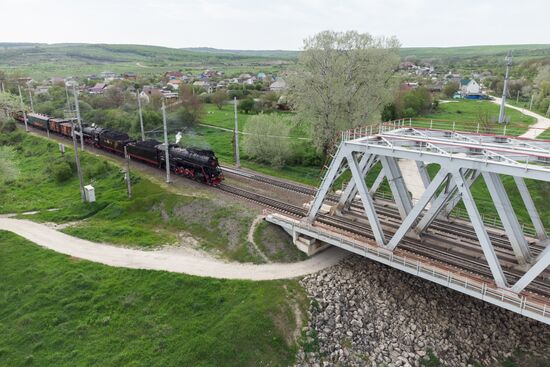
450, 89
266, 139
8, 104
219, 97
191, 111
246, 105
342, 80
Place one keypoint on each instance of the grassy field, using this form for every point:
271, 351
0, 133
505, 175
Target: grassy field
466, 114
154, 216
61, 311
212, 135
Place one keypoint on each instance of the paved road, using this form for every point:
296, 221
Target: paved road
537, 128
168, 259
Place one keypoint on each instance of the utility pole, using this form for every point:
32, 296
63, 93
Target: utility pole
531, 103
501, 115
517, 98
140, 117
77, 159
23, 108
237, 158
2, 85
30, 98
69, 109
78, 117
166, 154
128, 179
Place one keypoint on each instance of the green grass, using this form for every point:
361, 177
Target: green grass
466, 114
154, 216
281, 248
221, 142
61, 311
539, 190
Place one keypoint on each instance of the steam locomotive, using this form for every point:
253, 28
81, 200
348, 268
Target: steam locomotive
198, 164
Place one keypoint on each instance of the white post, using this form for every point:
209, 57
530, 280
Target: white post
23, 108
531, 103
78, 117
140, 117
237, 157
166, 154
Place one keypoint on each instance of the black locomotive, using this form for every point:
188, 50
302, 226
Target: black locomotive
198, 164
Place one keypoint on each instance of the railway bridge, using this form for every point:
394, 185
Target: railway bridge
505, 263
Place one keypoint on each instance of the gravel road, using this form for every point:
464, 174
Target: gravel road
167, 259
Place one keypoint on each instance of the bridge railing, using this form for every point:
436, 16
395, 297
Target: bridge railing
448, 125
526, 305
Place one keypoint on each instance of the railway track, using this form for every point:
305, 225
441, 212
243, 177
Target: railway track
432, 247
457, 229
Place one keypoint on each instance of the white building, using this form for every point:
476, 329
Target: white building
469, 86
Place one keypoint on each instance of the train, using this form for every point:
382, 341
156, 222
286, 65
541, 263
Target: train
199, 164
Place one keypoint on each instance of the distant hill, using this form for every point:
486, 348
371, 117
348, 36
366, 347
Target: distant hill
45, 60
285, 54
465, 52
74, 59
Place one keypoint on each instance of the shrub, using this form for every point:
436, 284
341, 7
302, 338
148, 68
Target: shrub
61, 171
266, 139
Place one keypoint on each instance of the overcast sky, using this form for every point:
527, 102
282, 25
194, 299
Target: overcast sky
274, 24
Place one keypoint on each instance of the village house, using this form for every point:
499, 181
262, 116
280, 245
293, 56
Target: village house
171, 75
129, 75
99, 88
175, 83
108, 76
277, 86
469, 86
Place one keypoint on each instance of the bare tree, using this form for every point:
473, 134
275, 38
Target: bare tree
342, 80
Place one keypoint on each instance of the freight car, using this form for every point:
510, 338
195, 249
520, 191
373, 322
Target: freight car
198, 164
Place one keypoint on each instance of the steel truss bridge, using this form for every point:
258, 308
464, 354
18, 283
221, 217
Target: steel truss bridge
504, 266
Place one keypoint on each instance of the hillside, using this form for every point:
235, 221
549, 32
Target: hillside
43, 60
46, 60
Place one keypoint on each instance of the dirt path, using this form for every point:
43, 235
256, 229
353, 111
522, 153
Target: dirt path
165, 259
251, 231
534, 130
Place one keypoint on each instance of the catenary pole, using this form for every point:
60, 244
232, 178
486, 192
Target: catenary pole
77, 108
77, 159
140, 117
501, 115
30, 99
23, 108
237, 157
166, 154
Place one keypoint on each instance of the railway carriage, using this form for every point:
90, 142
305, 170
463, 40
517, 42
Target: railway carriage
38, 120
198, 164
